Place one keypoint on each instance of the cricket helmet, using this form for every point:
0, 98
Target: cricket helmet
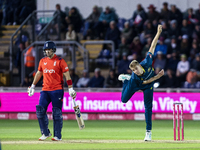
49, 45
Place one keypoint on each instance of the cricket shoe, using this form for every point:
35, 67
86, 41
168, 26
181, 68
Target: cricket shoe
43, 137
56, 139
123, 77
148, 136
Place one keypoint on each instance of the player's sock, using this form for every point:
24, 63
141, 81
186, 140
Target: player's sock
148, 130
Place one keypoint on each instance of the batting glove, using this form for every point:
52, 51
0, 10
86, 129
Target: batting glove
31, 90
72, 93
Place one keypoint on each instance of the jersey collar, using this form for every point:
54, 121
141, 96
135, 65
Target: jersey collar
53, 56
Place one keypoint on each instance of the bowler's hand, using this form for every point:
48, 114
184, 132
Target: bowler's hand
72, 93
159, 28
30, 90
161, 73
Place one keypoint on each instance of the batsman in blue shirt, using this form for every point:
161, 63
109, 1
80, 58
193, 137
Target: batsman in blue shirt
142, 78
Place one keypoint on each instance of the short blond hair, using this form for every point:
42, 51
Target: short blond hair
133, 64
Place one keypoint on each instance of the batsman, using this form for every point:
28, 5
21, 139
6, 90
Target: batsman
52, 68
142, 78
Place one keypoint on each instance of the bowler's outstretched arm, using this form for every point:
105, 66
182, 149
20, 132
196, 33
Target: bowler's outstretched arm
155, 40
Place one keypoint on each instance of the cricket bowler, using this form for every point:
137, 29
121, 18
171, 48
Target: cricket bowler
142, 78
52, 68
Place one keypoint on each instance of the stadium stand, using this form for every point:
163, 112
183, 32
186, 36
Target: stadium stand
180, 29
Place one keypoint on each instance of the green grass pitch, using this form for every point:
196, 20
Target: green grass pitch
106, 135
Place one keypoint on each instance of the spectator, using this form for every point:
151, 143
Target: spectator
196, 32
192, 80
90, 21
11, 17
139, 17
123, 65
134, 56
73, 76
186, 29
18, 57
149, 31
26, 82
161, 47
4, 7
75, 19
83, 81
164, 14
182, 69
171, 67
112, 80
97, 81
160, 62
196, 62
173, 46
197, 13
24, 9
29, 59
146, 47
128, 32
123, 48
184, 46
190, 17
136, 46
113, 34
175, 14
59, 19
71, 34
165, 32
193, 51
174, 29
104, 20
152, 13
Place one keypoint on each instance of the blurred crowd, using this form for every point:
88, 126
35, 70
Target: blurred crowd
177, 51
14, 12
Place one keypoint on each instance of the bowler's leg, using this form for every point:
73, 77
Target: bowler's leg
128, 90
148, 100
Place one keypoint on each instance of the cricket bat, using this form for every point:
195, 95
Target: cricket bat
79, 117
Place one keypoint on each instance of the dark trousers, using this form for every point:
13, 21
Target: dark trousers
129, 88
12, 15
51, 96
1, 17
148, 100
99, 28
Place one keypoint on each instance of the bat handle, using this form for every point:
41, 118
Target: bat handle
74, 102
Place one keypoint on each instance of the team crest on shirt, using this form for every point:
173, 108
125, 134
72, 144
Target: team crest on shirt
54, 63
45, 63
149, 69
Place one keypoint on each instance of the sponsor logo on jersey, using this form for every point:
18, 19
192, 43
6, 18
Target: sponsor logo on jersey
49, 70
54, 63
45, 63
